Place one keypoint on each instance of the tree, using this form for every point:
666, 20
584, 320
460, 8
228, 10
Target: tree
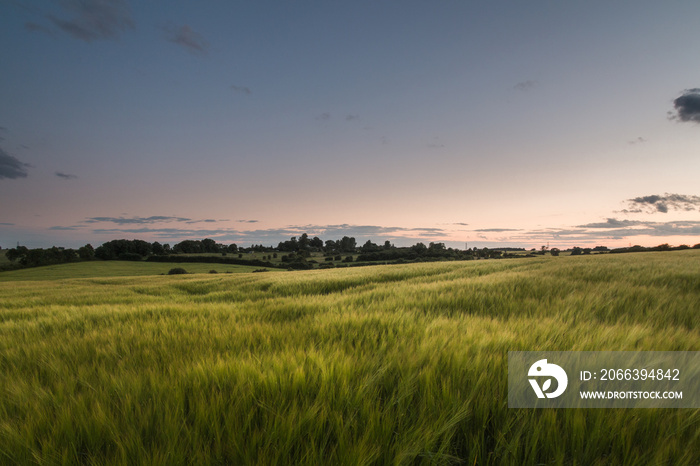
209, 245
554, 251
87, 252
158, 249
317, 242
369, 246
347, 244
16, 253
304, 241
419, 248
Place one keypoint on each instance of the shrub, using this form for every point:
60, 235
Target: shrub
213, 271
177, 271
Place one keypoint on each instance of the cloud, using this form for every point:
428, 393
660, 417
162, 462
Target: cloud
66, 176
12, 168
655, 203
612, 229
687, 106
92, 19
436, 144
248, 221
188, 38
136, 220
525, 86
324, 116
274, 235
611, 223
34, 27
63, 228
496, 230
639, 140
241, 89
352, 117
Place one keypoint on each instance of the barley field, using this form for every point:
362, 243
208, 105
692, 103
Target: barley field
383, 365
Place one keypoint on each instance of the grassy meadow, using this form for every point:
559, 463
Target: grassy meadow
95, 269
398, 364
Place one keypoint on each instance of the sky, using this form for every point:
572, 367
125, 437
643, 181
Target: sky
473, 123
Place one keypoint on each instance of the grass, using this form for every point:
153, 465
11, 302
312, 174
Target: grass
402, 364
94, 269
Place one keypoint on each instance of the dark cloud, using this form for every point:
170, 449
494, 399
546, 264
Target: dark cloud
92, 19
687, 106
462, 224
66, 176
352, 117
611, 223
7, 224
187, 38
12, 168
206, 220
655, 203
248, 221
136, 220
612, 229
324, 116
33, 27
496, 230
639, 140
63, 228
241, 89
525, 85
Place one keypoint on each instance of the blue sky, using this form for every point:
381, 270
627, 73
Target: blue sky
512, 123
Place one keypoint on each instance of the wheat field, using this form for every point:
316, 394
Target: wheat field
398, 364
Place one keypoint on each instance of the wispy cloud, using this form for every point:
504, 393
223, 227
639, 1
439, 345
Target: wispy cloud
687, 106
655, 203
59, 228
436, 143
11, 167
34, 27
496, 230
187, 38
638, 140
612, 223
323, 116
91, 19
525, 86
241, 89
66, 176
352, 117
136, 220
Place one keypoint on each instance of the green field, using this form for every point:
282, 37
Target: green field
95, 269
398, 364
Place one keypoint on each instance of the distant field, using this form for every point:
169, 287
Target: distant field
115, 269
399, 364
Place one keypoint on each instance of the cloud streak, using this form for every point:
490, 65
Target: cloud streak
11, 167
241, 89
187, 38
92, 19
136, 220
525, 86
655, 203
66, 176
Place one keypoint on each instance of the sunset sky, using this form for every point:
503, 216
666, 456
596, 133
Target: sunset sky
483, 122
